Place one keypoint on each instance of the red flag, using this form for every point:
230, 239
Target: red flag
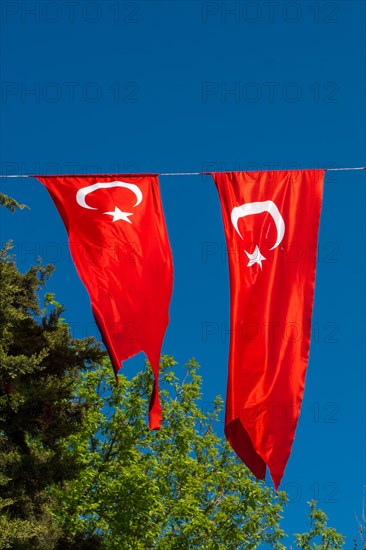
119, 243
271, 222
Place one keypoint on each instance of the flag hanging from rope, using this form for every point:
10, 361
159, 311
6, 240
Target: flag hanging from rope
271, 222
119, 243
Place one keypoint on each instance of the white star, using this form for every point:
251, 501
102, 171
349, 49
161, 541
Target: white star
119, 215
255, 258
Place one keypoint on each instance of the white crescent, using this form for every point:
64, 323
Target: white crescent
250, 208
84, 191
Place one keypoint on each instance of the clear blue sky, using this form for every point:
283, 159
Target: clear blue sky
188, 86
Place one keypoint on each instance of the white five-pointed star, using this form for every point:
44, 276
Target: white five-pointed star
255, 258
119, 215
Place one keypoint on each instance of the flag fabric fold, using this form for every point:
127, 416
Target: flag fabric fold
271, 222
119, 244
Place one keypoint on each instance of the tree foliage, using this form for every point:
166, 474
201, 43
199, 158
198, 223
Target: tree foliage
39, 366
175, 488
179, 488
10, 203
320, 535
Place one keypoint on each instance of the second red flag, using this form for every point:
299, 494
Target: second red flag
271, 221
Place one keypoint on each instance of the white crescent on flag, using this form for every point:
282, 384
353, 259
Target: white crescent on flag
117, 213
249, 208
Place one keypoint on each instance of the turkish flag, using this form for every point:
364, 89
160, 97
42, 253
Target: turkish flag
119, 243
271, 222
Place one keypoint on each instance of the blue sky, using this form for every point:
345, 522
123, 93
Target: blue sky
157, 86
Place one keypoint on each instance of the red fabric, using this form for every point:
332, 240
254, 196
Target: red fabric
126, 264
271, 307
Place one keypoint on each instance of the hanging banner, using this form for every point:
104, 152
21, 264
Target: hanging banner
271, 222
119, 243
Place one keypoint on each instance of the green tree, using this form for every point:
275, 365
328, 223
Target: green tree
39, 366
320, 535
179, 488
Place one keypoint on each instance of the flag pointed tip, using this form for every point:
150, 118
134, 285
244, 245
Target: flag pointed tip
155, 420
